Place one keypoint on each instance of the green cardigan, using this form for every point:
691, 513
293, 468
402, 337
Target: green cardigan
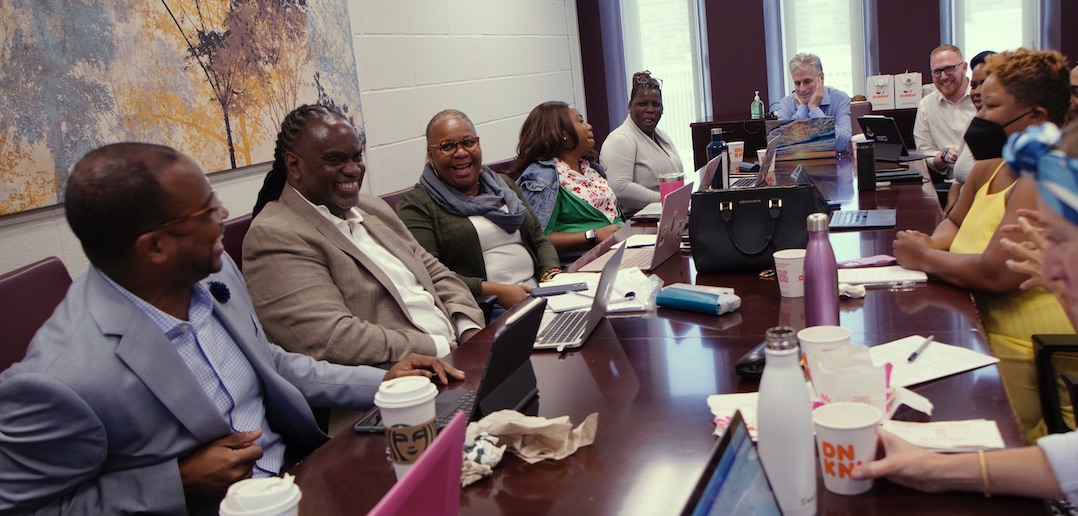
453, 240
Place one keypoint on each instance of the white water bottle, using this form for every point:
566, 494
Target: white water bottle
784, 425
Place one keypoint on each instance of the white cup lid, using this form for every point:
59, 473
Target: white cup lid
261, 496
405, 391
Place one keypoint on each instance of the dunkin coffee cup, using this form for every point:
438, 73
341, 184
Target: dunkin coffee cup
817, 340
845, 438
266, 496
737, 154
790, 272
407, 406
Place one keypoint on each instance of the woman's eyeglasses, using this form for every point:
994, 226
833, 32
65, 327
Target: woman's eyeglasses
448, 148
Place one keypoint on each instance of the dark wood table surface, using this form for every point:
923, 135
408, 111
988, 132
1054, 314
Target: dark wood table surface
648, 376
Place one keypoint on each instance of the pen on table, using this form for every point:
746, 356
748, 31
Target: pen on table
920, 349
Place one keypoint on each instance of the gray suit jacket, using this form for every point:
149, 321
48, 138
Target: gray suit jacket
95, 418
320, 295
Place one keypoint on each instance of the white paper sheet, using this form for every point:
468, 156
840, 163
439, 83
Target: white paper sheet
949, 436
936, 361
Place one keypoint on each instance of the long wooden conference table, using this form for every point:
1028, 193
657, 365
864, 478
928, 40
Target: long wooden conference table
649, 375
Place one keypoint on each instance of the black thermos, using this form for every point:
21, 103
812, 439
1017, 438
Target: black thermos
866, 166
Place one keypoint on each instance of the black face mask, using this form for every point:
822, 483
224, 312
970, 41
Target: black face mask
986, 138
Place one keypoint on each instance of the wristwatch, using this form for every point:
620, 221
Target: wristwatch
589, 235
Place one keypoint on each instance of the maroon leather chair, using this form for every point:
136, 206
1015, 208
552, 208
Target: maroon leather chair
392, 198
235, 230
28, 296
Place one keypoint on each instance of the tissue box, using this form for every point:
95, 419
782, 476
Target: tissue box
699, 298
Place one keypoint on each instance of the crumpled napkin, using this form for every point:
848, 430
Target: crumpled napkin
480, 457
535, 439
854, 291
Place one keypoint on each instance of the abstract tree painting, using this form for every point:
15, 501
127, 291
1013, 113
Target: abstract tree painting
212, 78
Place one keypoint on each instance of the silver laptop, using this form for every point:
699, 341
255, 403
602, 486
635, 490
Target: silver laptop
568, 330
738, 182
672, 224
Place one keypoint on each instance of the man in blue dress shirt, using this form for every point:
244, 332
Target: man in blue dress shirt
811, 99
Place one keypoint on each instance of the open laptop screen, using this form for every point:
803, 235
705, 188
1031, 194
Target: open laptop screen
733, 481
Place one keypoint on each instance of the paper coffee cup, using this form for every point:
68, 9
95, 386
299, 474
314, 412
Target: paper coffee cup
266, 496
760, 153
407, 406
737, 153
790, 271
670, 182
817, 340
845, 438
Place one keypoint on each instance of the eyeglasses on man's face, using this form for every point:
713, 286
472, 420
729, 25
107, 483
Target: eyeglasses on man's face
948, 70
448, 148
215, 208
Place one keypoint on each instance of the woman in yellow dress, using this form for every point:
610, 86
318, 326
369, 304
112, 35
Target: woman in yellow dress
1024, 88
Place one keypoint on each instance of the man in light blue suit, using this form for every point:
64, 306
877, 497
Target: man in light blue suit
152, 387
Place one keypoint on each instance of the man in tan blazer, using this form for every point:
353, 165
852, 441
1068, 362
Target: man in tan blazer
334, 273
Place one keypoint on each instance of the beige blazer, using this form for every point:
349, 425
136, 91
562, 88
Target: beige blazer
317, 293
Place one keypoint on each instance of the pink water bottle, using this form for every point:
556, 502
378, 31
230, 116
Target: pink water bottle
821, 275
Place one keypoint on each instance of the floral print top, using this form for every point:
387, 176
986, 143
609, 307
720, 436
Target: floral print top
589, 186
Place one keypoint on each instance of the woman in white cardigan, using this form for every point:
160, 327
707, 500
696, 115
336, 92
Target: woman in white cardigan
637, 152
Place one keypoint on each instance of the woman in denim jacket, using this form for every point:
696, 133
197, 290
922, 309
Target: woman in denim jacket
570, 195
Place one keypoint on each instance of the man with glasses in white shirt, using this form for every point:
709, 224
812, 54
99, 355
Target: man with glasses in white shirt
944, 114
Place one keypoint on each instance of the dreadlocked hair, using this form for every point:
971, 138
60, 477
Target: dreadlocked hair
293, 128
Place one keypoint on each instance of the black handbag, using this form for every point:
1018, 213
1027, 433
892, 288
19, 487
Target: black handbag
738, 230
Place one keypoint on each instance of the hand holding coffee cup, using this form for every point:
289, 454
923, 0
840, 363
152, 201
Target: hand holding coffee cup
846, 434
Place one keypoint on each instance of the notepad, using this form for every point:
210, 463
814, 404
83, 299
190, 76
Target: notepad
880, 275
631, 291
936, 361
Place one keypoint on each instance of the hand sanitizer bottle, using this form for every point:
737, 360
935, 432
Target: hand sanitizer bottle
756, 109
784, 425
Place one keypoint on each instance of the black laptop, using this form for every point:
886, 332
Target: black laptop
733, 481
508, 381
849, 219
887, 140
